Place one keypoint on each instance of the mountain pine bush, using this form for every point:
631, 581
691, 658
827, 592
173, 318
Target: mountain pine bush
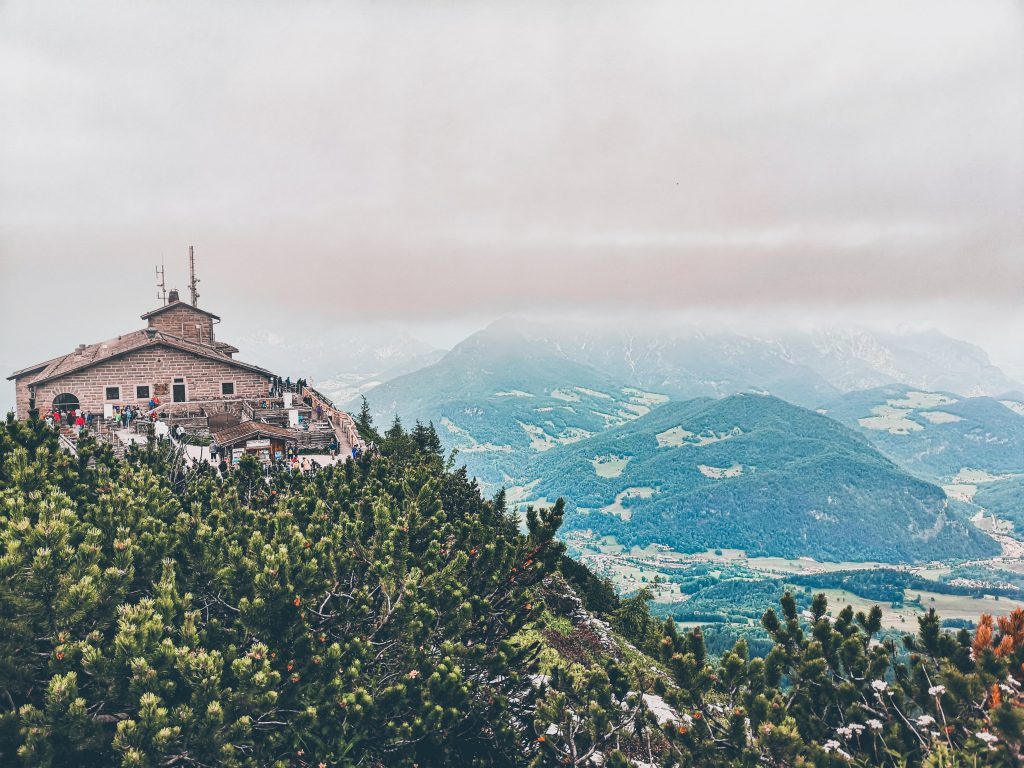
362, 615
383, 613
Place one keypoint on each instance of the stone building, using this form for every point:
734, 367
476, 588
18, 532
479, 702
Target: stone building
175, 358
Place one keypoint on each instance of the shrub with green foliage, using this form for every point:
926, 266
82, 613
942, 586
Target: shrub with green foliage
382, 613
364, 615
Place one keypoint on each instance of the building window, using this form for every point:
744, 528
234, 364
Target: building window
112, 393
66, 402
227, 388
142, 392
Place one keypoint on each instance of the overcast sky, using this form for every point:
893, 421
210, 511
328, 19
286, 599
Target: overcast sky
443, 163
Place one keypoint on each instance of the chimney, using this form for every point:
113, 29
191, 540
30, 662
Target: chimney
81, 348
172, 296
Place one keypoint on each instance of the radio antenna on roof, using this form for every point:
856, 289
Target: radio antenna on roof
161, 284
193, 281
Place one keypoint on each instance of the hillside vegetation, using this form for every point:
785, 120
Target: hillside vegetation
382, 613
935, 434
1004, 498
758, 474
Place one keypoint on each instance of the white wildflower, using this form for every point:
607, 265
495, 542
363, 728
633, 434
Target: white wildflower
924, 720
844, 731
833, 746
879, 685
1013, 681
875, 725
1005, 688
857, 728
937, 690
987, 737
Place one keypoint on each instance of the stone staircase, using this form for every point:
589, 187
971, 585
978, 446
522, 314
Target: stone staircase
319, 435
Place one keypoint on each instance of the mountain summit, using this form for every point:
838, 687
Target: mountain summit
755, 473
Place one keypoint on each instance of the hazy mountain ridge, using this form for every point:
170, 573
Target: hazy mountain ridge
931, 360
800, 367
500, 397
694, 365
342, 364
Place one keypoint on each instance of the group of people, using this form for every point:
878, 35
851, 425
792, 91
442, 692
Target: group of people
129, 413
76, 419
279, 386
307, 466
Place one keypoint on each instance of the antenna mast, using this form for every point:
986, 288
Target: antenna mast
161, 284
192, 281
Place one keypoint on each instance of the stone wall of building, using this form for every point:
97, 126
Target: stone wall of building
21, 396
184, 321
156, 367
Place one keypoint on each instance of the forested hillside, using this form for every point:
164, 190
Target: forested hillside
382, 613
754, 473
935, 435
1005, 499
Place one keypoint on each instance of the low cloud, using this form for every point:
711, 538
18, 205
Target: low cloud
428, 161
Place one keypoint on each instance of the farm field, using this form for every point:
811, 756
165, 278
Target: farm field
918, 602
666, 573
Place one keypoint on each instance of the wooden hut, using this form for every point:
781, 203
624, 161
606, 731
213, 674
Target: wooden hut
267, 442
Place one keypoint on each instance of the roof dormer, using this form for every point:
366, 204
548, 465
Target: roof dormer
183, 320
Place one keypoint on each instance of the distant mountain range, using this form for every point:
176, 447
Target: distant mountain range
755, 473
585, 415
804, 368
466, 393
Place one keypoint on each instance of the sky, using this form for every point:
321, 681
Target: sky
434, 165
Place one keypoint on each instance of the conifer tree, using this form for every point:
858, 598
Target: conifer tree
381, 613
364, 421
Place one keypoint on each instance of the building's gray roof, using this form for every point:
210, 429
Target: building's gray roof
93, 354
247, 430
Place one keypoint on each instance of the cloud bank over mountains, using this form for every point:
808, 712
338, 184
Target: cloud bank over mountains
424, 162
